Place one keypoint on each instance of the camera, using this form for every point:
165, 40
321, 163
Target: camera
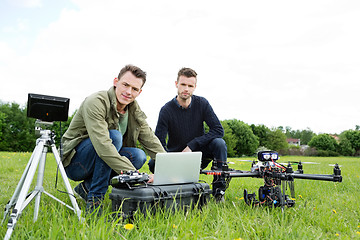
47, 108
265, 156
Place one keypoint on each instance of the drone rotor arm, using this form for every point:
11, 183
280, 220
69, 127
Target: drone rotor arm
244, 174
331, 178
231, 174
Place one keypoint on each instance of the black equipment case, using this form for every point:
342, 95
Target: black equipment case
149, 198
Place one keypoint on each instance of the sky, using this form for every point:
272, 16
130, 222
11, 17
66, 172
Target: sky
277, 63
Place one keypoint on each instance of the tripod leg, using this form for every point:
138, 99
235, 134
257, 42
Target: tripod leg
66, 181
19, 206
39, 182
15, 196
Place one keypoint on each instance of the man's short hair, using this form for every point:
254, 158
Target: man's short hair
187, 72
134, 70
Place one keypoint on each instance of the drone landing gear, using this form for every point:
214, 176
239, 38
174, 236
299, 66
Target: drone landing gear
268, 196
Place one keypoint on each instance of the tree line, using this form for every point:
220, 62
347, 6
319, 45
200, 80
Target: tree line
17, 134
244, 139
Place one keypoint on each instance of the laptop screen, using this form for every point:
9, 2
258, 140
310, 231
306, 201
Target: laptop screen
177, 167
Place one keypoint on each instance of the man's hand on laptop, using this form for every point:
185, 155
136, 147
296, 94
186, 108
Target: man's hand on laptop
151, 178
187, 149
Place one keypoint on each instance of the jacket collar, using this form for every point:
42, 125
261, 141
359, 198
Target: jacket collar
112, 97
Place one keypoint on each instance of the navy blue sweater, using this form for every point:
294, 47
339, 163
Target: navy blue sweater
185, 127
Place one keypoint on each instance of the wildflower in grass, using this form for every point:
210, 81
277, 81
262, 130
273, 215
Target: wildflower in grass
300, 196
358, 232
129, 226
174, 226
334, 211
336, 234
238, 239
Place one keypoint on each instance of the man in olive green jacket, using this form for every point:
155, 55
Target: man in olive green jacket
102, 137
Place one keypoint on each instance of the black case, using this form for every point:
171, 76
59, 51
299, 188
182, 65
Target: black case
149, 198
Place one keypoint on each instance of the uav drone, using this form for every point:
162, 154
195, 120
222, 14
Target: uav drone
277, 178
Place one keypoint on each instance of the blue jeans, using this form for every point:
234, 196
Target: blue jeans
88, 166
215, 151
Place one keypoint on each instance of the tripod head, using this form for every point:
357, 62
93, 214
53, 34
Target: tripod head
41, 126
47, 109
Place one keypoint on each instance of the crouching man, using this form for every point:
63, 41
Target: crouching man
180, 128
101, 139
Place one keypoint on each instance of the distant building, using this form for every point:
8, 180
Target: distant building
336, 137
293, 141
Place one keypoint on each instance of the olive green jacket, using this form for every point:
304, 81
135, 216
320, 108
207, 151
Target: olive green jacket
95, 117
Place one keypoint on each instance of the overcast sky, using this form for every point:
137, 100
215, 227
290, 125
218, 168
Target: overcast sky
277, 63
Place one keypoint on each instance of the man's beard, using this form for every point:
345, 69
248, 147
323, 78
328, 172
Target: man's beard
184, 97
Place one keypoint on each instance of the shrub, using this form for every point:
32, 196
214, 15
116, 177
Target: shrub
295, 150
324, 142
310, 151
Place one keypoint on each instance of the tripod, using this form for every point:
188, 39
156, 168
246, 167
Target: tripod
21, 197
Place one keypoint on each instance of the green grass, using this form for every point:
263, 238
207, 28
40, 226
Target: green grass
323, 210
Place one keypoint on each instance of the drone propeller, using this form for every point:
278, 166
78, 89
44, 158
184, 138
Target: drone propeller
244, 160
333, 165
298, 162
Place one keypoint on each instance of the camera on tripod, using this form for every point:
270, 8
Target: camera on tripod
47, 108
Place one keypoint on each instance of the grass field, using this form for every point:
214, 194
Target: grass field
323, 210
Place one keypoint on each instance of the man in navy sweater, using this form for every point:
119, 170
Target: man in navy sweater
182, 121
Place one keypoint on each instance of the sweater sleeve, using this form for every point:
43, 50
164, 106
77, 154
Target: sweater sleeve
215, 128
161, 129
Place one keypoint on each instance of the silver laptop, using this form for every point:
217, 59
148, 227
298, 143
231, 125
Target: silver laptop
177, 167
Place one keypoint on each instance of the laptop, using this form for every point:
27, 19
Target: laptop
177, 168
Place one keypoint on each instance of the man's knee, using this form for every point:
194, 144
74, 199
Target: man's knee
141, 159
219, 148
137, 158
219, 144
